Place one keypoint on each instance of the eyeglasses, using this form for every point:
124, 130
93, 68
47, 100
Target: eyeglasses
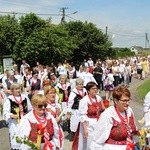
41, 106
94, 88
125, 100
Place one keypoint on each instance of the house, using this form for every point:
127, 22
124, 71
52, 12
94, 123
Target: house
136, 49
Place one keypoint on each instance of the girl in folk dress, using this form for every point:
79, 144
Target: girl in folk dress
15, 107
90, 108
55, 109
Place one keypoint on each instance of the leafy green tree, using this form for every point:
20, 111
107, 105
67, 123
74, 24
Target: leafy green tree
42, 41
9, 32
30, 22
122, 53
89, 40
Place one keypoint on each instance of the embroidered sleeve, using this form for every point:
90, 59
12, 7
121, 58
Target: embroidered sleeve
56, 133
83, 107
6, 110
102, 129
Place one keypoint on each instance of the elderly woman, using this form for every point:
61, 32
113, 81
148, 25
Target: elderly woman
53, 79
55, 109
15, 107
38, 128
9, 79
116, 126
90, 108
73, 104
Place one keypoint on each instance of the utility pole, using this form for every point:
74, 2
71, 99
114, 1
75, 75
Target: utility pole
63, 14
106, 30
146, 40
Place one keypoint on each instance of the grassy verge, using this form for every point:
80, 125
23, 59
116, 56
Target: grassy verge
143, 89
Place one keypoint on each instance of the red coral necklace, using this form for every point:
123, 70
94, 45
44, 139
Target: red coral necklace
39, 119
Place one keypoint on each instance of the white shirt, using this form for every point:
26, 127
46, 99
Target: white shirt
87, 77
91, 63
61, 70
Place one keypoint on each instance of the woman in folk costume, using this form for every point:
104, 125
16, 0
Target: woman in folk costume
26, 79
63, 90
8, 80
3, 97
90, 108
42, 73
1, 104
116, 126
73, 104
146, 109
108, 82
55, 109
38, 128
53, 79
15, 107
35, 84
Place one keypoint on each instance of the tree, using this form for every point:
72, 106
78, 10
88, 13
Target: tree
89, 40
9, 32
41, 41
30, 22
122, 53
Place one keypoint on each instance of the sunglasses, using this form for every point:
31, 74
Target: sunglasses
41, 106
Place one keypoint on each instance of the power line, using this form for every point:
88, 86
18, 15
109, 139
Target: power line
146, 41
71, 17
41, 14
26, 4
125, 34
126, 40
22, 13
63, 10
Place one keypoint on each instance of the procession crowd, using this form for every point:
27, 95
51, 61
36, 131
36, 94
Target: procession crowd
39, 103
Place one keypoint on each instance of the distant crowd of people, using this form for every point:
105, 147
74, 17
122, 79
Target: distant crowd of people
39, 102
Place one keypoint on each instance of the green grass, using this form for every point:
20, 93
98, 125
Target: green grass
143, 89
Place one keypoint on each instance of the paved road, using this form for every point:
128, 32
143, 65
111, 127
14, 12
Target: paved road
137, 108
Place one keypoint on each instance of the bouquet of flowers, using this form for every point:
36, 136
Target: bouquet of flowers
26, 141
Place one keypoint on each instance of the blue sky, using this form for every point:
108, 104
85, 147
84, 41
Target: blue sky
127, 20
